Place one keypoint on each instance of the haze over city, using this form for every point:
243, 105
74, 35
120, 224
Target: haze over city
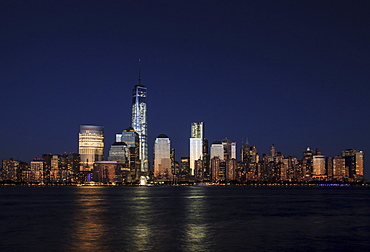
293, 74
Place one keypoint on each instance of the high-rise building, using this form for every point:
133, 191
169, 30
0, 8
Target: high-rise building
307, 163
185, 164
206, 164
227, 149
245, 152
119, 152
37, 167
354, 161
131, 139
196, 144
233, 150
90, 146
217, 150
110, 172
215, 169
199, 170
272, 150
318, 164
162, 158
11, 170
359, 157
140, 125
339, 168
231, 168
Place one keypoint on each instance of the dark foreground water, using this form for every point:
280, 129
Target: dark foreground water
184, 219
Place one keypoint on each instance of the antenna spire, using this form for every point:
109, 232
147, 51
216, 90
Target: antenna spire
139, 72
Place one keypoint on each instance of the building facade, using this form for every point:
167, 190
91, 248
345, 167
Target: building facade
140, 125
90, 146
196, 144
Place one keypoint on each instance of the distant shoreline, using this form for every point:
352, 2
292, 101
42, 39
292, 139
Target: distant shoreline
306, 184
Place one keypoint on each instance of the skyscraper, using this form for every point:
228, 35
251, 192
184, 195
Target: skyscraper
90, 146
318, 165
139, 124
131, 138
233, 150
196, 144
217, 150
162, 158
354, 163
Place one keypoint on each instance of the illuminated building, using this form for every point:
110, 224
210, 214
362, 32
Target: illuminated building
73, 166
90, 146
11, 170
339, 168
245, 152
272, 150
140, 125
217, 150
109, 172
172, 157
119, 152
184, 168
354, 161
162, 158
222, 171
199, 170
329, 167
215, 169
359, 157
255, 158
231, 168
307, 163
206, 164
233, 150
217, 156
130, 137
226, 143
37, 167
185, 165
196, 144
318, 165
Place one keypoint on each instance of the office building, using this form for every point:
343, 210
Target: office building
217, 150
140, 125
226, 143
233, 150
196, 144
110, 172
354, 162
162, 158
90, 146
318, 164
130, 137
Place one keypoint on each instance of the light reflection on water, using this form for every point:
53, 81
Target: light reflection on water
197, 235
87, 225
183, 219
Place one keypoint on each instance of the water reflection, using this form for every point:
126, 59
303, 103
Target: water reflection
89, 228
138, 218
197, 236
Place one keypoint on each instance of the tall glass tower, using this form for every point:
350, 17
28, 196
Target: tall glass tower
162, 158
196, 144
139, 124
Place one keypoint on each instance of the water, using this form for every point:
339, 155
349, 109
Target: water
184, 219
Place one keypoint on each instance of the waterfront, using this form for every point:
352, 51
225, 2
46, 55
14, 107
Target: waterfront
167, 218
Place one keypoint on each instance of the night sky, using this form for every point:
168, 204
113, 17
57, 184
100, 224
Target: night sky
289, 73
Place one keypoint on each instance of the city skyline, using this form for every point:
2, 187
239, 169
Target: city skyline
290, 74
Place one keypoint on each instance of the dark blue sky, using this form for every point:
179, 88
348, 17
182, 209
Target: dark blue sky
290, 73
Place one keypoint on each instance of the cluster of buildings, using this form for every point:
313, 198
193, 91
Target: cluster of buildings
128, 161
218, 163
